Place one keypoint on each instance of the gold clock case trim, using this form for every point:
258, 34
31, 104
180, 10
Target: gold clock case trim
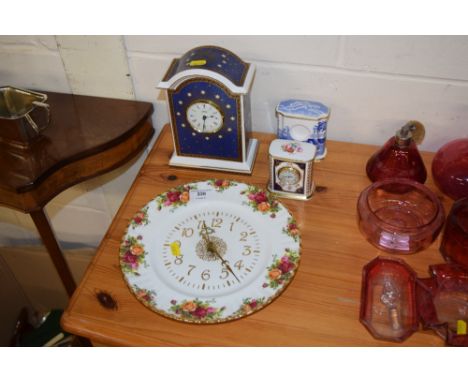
288, 195
281, 259
171, 92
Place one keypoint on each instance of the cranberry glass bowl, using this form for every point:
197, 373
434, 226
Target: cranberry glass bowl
399, 215
454, 245
450, 168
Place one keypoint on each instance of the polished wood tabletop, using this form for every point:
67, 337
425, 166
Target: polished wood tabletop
86, 137
319, 308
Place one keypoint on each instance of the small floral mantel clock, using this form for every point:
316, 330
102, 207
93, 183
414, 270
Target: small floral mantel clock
208, 92
291, 169
211, 251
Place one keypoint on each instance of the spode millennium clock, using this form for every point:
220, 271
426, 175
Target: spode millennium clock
209, 106
208, 252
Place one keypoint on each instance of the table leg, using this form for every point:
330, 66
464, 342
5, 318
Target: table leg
48, 237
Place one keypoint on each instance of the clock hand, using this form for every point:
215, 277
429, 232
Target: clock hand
204, 121
212, 248
205, 231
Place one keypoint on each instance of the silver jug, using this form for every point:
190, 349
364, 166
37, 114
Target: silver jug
23, 115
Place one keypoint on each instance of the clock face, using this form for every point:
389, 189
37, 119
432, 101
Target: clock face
289, 176
230, 262
204, 117
210, 251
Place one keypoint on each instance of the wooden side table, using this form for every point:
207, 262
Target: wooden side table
320, 307
87, 136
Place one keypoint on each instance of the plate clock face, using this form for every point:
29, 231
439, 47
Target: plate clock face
206, 118
210, 251
206, 272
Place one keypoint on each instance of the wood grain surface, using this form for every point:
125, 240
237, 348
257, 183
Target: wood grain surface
319, 308
87, 136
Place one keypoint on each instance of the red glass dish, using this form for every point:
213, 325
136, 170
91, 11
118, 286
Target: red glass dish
388, 299
399, 216
394, 301
450, 168
394, 161
454, 245
442, 302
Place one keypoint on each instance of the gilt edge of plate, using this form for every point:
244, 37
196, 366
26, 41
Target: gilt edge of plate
275, 277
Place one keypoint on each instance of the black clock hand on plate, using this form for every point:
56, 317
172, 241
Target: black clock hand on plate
210, 247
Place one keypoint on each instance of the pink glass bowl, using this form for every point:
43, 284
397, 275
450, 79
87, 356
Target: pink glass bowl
450, 168
399, 215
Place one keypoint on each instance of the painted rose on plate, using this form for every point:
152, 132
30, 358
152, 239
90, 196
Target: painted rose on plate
221, 184
140, 218
292, 229
132, 254
146, 296
174, 198
196, 310
282, 269
261, 200
249, 305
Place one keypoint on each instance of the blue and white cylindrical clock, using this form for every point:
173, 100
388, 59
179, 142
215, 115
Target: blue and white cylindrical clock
304, 121
209, 107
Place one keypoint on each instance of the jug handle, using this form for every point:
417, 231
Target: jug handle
31, 121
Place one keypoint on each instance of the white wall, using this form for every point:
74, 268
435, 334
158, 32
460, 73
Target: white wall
81, 65
372, 84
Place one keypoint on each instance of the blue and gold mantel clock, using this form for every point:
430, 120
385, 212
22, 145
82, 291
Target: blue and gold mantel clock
208, 92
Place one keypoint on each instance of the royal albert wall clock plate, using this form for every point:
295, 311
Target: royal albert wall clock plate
210, 251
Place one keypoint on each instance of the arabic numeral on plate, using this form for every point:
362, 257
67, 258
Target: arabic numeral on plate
187, 232
191, 268
216, 222
224, 274
179, 260
205, 275
243, 236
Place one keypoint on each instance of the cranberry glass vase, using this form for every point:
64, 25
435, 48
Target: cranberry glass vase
396, 161
454, 246
399, 216
450, 168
